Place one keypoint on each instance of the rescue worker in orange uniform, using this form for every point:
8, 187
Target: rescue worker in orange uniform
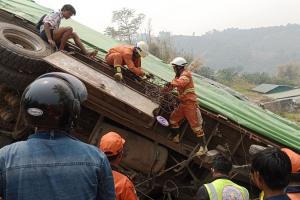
188, 107
127, 55
112, 144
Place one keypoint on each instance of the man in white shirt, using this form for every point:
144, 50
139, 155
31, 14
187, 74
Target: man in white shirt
58, 36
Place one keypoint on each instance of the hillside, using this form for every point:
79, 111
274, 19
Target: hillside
253, 50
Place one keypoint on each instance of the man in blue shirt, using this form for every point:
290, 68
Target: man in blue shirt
51, 164
270, 172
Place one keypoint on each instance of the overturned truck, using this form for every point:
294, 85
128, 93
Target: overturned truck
159, 168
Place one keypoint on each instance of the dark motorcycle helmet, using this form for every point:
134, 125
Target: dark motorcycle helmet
53, 101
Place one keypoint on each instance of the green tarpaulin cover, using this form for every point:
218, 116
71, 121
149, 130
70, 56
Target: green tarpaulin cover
210, 97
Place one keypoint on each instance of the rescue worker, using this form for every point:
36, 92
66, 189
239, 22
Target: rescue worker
52, 33
127, 55
51, 164
112, 144
188, 107
270, 172
221, 187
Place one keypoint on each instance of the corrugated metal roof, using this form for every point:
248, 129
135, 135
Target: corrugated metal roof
265, 88
210, 97
283, 95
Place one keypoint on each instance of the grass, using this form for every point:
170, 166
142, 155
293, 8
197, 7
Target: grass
244, 88
291, 116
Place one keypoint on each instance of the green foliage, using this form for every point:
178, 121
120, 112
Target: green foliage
258, 78
206, 72
227, 74
288, 72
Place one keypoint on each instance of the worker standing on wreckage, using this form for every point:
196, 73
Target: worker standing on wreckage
130, 56
188, 107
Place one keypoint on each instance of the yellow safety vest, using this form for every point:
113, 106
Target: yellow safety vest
226, 189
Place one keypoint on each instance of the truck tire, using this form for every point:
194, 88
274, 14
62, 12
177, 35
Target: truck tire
14, 79
22, 50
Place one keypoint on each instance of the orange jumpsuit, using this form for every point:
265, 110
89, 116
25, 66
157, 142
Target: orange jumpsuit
295, 159
188, 107
124, 187
123, 55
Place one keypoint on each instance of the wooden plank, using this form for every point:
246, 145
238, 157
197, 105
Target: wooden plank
101, 82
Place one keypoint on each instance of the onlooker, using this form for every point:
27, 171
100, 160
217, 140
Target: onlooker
51, 164
221, 187
58, 36
130, 56
112, 144
270, 172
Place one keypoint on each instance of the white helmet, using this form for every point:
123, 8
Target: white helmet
179, 61
142, 48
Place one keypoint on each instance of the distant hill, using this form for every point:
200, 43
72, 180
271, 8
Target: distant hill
253, 50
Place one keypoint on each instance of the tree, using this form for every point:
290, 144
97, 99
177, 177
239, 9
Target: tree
289, 72
127, 22
258, 78
206, 72
227, 74
110, 31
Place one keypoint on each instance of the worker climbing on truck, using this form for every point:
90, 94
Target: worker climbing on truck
112, 144
188, 107
130, 56
56, 36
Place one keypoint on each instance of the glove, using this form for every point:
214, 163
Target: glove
168, 84
167, 87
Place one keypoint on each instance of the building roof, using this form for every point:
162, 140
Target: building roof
283, 95
210, 97
267, 88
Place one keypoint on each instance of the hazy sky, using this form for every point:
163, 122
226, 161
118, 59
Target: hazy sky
188, 16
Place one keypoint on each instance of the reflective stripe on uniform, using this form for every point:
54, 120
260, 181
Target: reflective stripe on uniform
213, 191
195, 129
188, 91
118, 68
185, 78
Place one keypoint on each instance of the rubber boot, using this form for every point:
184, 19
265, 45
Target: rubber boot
173, 133
176, 139
203, 146
118, 73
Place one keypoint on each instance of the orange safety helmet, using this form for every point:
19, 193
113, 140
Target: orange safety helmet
295, 159
111, 144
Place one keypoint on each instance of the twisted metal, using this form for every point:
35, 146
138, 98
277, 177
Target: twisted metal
167, 101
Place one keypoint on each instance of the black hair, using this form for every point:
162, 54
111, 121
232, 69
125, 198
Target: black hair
222, 164
69, 7
274, 167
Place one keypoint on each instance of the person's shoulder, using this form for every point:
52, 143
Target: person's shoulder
54, 13
11, 148
122, 178
186, 73
86, 146
202, 193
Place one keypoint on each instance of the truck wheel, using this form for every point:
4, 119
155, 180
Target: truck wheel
14, 79
22, 50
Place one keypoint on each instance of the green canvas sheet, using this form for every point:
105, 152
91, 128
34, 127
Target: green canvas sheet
210, 97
